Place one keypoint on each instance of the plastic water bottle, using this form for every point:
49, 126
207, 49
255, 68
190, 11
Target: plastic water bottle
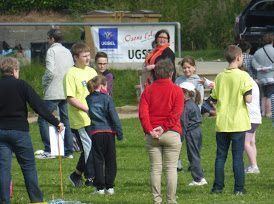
60, 201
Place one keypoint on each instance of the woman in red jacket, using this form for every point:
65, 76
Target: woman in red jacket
161, 106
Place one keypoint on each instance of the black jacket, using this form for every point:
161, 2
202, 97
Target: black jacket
14, 96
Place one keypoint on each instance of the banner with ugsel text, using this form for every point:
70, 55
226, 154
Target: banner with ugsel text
125, 44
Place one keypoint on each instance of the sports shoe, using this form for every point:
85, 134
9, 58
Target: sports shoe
109, 191
69, 156
45, 155
198, 183
252, 170
75, 179
39, 152
89, 182
99, 192
179, 165
239, 193
216, 191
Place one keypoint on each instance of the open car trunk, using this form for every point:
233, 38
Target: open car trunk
258, 20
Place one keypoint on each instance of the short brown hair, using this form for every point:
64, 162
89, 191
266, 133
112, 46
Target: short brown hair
8, 64
163, 69
95, 82
56, 34
78, 48
100, 55
231, 52
268, 38
187, 59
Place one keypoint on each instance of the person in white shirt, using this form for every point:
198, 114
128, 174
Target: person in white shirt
256, 120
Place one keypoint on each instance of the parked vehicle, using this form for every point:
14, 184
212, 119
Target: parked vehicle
254, 21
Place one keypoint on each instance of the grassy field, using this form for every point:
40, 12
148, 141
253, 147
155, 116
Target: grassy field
132, 181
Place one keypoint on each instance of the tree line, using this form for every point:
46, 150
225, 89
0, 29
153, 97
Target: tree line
206, 24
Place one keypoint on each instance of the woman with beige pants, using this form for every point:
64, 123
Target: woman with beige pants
160, 108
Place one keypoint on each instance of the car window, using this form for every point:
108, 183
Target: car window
264, 6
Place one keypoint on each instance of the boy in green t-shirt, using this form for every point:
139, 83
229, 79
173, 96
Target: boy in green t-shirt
231, 92
75, 83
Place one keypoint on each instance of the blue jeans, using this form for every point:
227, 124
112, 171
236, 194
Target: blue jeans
85, 163
44, 126
223, 140
18, 142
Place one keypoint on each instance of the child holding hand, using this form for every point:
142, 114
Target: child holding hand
105, 124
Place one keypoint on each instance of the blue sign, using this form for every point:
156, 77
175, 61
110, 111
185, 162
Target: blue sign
108, 38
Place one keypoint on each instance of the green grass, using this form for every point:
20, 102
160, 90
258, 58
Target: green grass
132, 181
205, 55
124, 92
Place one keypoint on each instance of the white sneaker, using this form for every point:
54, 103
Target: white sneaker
45, 155
200, 183
252, 170
99, 192
109, 191
69, 156
39, 152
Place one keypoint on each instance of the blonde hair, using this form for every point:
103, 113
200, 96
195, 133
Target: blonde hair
95, 83
8, 64
79, 47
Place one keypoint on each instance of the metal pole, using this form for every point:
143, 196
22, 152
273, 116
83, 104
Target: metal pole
176, 24
179, 40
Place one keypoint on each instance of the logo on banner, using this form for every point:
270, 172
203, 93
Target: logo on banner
108, 38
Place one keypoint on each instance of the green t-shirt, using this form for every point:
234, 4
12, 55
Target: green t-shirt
230, 87
75, 83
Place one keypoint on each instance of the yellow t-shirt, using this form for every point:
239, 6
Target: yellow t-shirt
75, 83
230, 87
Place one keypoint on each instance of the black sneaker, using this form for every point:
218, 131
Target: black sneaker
89, 182
75, 179
216, 191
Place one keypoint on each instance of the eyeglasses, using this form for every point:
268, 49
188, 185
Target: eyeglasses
102, 63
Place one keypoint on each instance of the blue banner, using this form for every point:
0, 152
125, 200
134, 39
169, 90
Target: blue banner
108, 38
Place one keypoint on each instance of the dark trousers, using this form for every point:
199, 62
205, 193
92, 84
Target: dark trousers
86, 167
18, 142
223, 140
104, 155
193, 146
44, 126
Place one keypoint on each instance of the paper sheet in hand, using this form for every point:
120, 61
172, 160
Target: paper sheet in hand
54, 135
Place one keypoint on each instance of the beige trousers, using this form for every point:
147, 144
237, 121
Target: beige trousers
164, 152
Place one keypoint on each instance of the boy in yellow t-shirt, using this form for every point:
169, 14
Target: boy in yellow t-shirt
232, 91
75, 83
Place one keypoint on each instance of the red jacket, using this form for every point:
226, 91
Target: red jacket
161, 104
